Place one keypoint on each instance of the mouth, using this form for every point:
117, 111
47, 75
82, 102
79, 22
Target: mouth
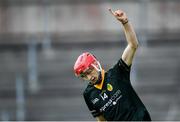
93, 79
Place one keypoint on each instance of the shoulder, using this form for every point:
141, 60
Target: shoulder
87, 90
120, 65
119, 71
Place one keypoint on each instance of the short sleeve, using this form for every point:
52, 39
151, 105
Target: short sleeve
93, 111
124, 66
122, 70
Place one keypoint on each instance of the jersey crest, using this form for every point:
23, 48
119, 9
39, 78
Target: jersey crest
109, 87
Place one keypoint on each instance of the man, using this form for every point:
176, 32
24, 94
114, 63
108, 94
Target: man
109, 95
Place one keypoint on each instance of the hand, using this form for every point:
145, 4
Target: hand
120, 15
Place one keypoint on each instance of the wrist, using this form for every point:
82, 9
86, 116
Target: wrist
125, 22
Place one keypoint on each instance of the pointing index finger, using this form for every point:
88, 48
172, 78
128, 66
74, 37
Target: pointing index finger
110, 10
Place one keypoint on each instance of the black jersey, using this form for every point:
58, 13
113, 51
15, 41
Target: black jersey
115, 98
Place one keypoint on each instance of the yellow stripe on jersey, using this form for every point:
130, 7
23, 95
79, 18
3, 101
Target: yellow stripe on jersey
99, 86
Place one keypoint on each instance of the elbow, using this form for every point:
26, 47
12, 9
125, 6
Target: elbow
134, 46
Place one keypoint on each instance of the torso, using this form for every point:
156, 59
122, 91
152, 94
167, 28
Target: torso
117, 100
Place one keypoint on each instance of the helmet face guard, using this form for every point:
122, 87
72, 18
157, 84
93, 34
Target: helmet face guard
85, 63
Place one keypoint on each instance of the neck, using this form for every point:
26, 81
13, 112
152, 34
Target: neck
101, 81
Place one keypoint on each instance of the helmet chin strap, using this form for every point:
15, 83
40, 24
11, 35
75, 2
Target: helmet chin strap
99, 69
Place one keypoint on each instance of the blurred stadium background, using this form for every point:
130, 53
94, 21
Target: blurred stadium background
41, 39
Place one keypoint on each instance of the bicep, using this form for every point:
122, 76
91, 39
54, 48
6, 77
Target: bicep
100, 118
128, 54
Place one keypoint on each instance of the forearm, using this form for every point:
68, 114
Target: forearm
130, 35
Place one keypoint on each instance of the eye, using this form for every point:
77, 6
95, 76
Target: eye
88, 71
82, 75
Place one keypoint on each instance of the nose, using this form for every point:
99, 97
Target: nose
89, 77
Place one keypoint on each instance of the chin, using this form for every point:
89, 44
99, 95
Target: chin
93, 82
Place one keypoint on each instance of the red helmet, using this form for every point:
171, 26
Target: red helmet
83, 62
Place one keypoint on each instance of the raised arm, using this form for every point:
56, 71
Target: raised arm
132, 42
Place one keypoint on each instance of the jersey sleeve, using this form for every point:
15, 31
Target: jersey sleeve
122, 69
93, 111
124, 66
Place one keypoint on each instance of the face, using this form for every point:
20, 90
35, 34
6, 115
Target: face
90, 74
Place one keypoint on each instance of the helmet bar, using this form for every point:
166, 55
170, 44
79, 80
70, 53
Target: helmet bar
99, 68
